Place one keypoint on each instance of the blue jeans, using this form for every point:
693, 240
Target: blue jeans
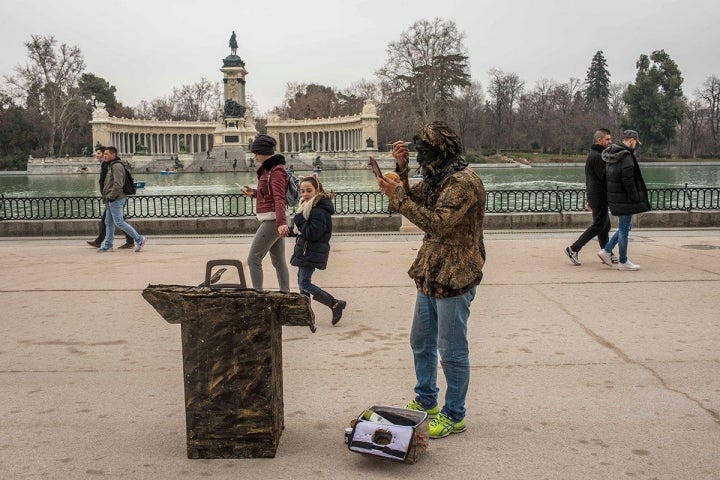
115, 217
621, 237
440, 326
305, 281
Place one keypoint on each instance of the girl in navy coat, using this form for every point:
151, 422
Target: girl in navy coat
313, 227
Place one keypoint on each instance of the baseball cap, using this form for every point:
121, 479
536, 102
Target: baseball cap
631, 134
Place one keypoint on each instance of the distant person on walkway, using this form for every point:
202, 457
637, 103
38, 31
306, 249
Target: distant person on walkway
313, 227
596, 198
115, 199
270, 207
129, 242
627, 195
449, 206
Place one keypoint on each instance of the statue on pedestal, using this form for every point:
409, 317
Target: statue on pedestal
234, 109
233, 44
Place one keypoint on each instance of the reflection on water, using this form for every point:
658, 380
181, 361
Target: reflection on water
495, 178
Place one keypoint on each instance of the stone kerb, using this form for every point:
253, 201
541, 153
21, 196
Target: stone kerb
353, 224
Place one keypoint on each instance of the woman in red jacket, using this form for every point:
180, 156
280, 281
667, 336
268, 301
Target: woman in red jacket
270, 208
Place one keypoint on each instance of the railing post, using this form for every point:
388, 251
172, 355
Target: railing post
688, 196
560, 202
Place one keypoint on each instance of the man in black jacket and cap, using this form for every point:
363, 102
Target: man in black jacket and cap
627, 195
596, 198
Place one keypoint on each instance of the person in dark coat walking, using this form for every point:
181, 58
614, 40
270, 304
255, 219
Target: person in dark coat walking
596, 198
313, 227
97, 243
627, 195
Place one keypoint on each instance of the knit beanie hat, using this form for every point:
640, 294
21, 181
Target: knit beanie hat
264, 145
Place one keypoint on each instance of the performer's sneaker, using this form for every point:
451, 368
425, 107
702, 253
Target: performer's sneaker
415, 405
442, 426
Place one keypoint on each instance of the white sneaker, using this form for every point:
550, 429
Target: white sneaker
628, 266
605, 257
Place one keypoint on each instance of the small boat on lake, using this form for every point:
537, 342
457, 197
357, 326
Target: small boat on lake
168, 172
139, 184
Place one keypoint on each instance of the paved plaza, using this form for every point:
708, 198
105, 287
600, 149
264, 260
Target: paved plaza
578, 372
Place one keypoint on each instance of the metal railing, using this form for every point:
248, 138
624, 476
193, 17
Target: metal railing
346, 203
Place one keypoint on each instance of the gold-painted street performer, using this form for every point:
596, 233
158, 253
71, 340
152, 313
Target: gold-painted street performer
449, 206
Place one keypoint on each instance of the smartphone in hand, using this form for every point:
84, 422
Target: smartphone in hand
375, 167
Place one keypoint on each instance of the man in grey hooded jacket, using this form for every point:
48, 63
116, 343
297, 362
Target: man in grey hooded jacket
627, 195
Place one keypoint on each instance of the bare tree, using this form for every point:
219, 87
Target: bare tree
468, 115
692, 125
351, 100
710, 93
48, 82
538, 107
426, 66
570, 106
365, 89
618, 107
198, 101
504, 91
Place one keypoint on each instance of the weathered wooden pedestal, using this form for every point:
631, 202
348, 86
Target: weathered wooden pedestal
232, 364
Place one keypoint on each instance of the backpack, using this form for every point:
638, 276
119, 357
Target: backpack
292, 192
129, 187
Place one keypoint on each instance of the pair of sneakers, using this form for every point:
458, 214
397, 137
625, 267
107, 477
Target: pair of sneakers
441, 425
138, 246
607, 259
573, 256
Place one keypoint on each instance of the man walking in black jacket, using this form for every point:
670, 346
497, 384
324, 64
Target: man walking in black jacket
626, 193
596, 198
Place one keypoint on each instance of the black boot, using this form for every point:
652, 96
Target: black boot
336, 306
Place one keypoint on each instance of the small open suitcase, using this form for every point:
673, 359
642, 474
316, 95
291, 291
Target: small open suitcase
401, 436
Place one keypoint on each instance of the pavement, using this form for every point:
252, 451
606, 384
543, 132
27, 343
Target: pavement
578, 372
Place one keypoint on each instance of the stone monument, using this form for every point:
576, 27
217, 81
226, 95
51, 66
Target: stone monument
235, 123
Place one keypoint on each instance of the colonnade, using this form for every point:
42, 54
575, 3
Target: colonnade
321, 141
155, 137
337, 134
161, 143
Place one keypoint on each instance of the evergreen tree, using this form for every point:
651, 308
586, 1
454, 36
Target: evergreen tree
655, 106
597, 84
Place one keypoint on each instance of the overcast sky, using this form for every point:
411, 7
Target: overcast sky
145, 48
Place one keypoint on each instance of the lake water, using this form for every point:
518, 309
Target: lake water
495, 178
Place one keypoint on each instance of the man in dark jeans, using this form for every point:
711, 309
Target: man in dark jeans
129, 242
596, 198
